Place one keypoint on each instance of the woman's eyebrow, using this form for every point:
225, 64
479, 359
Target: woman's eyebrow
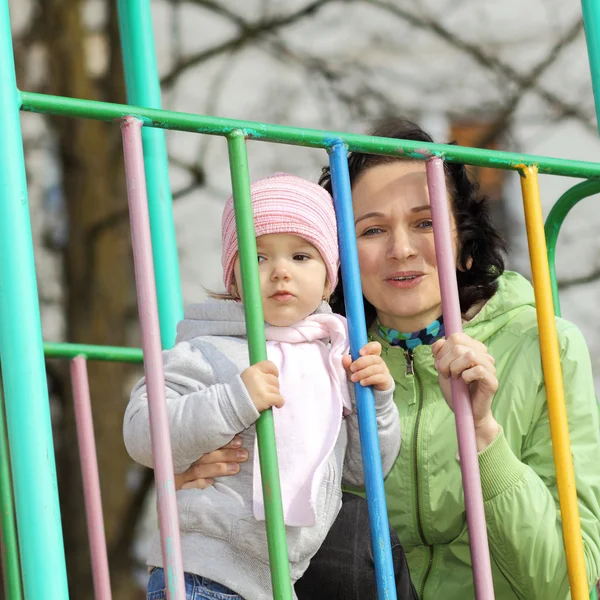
417, 209
368, 216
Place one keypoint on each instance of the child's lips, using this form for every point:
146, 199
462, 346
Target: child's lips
283, 296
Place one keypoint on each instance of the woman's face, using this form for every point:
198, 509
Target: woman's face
395, 245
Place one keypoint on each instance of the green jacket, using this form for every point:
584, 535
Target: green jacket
424, 491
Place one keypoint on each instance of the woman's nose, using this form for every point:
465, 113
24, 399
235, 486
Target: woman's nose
401, 245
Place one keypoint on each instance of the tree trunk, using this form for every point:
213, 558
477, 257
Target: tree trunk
99, 284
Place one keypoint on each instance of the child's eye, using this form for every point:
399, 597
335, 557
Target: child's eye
261, 258
301, 257
372, 231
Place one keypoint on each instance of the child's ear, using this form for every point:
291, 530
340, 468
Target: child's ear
234, 291
326, 291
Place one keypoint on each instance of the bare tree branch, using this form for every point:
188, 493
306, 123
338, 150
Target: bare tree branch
249, 33
565, 284
486, 60
355, 99
501, 122
219, 9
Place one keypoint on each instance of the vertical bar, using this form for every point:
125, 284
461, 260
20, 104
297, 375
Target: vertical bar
9, 549
91, 479
557, 412
24, 376
255, 327
554, 222
463, 411
153, 364
591, 21
143, 89
365, 403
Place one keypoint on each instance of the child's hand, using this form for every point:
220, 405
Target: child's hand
370, 368
261, 381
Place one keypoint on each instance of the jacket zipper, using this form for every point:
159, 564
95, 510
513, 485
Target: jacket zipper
410, 370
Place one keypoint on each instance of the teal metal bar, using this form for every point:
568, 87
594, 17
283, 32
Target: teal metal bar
312, 138
257, 348
9, 549
93, 352
24, 376
591, 22
143, 89
554, 221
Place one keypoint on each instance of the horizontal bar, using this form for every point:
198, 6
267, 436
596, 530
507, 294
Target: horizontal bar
313, 138
93, 352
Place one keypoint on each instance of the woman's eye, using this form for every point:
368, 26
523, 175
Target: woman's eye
372, 231
426, 224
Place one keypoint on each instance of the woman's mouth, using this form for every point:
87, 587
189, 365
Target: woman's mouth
406, 281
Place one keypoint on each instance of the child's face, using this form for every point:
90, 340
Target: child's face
293, 278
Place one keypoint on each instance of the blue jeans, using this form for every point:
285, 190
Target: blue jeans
196, 588
344, 568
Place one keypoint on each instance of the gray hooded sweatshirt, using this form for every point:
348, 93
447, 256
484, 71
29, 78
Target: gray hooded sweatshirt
207, 404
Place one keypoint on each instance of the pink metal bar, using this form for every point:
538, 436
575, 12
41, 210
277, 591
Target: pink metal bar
153, 364
467, 446
91, 479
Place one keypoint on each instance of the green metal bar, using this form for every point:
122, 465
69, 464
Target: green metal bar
93, 352
143, 89
23, 371
591, 21
9, 549
255, 327
554, 222
312, 138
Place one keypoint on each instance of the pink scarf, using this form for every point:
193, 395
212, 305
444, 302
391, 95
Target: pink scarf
314, 386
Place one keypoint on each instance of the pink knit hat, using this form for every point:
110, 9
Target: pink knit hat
284, 203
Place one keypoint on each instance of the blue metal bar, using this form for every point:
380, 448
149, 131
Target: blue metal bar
23, 371
143, 89
365, 402
591, 21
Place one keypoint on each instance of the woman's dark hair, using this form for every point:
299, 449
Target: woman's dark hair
480, 248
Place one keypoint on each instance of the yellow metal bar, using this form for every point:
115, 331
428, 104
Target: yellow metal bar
557, 411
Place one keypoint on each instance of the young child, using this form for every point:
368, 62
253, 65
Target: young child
213, 394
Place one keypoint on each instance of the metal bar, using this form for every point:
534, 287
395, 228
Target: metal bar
557, 412
93, 352
24, 376
554, 222
153, 364
591, 21
463, 411
9, 549
305, 137
91, 479
365, 402
255, 327
143, 89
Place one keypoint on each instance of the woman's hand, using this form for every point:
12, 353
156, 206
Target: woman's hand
220, 463
460, 356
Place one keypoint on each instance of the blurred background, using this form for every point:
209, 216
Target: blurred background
486, 74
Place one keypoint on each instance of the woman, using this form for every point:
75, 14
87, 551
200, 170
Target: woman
498, 357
